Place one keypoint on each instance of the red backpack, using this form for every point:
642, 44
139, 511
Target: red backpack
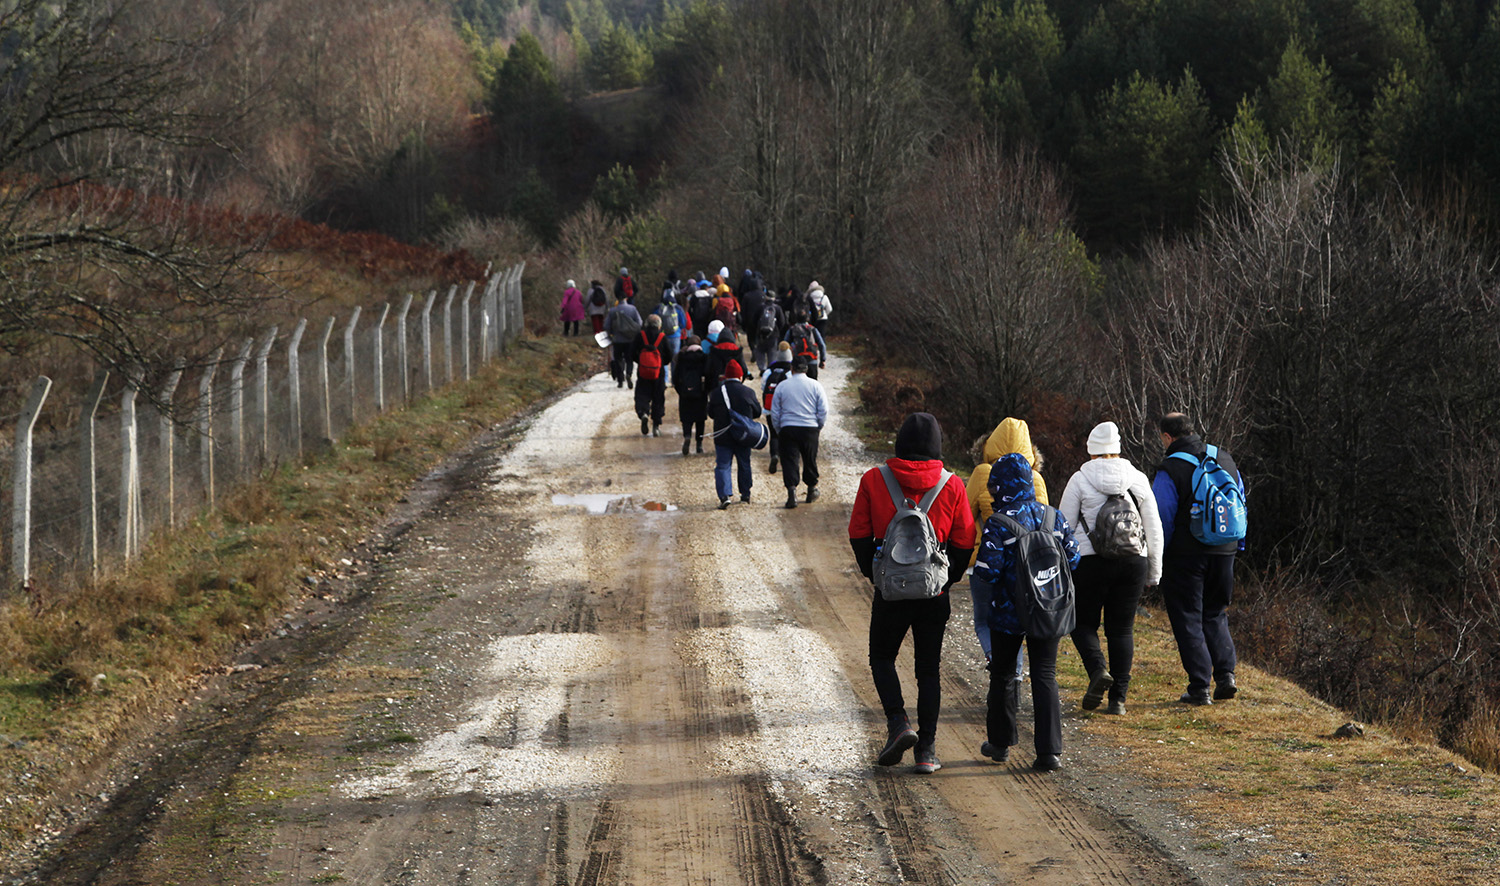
725, 313
650, 358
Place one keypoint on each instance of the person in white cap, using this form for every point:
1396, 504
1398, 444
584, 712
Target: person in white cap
1120, 540
723, 349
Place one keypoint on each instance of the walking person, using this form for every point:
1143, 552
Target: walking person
723, 349
799, 409
807, 342
623, 323
769, 380
598, 305
570, 311
1120, 546
731, 394
1197, 576
690, 380
625, 287
648, 352
770, 324
916, 469
1016, 508
674, 323
752, 298
820, 307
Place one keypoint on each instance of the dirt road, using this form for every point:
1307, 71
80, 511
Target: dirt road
519, 690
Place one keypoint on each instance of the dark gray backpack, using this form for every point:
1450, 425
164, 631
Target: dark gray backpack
911, 563
1118, 532
1043, 594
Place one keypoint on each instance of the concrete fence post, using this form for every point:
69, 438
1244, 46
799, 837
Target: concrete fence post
427, 342
263, 393
402, 363
88, 485
164, 430
206, 425
467, 346
20, 539
294, 382
379, 334
349, 367
518, 315
237, 407
497, 317
130, 471
326, 402
484, 328
448, 334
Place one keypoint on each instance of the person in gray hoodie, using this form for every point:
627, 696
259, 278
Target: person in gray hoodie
1110, 500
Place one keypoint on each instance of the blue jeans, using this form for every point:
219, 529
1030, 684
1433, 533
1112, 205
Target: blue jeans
724, 453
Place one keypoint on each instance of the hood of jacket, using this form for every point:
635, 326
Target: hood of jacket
1111, 476
1010, 481
915, 473
1011, 435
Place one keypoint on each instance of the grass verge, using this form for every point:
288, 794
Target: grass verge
77, 673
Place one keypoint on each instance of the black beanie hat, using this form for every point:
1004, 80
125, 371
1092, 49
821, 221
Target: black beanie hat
920, 438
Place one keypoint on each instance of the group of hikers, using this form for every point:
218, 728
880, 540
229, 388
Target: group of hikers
691, 341
1038, 573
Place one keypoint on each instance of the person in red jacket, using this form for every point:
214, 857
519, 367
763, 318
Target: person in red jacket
918, 466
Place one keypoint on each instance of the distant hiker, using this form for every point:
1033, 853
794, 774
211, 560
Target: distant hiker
598, 305
1197, 574
770, 328
731, 394
751, 299
807, 342
700, 308
769, 380
625, 287
723, 350
820, 306
623, 323
669, 286
570, 311
675, 323
727, 310
690, 380
1121, 544
916, 470
799, 409
649, 352
1011, 580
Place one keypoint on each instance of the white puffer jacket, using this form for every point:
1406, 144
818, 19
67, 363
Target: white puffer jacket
1087, 491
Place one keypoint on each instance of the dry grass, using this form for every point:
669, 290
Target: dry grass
77, 672
1264, 770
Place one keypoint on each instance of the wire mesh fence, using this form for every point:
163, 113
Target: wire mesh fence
88, 475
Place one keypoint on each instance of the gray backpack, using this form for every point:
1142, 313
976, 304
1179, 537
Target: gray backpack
1118, 532
911, 563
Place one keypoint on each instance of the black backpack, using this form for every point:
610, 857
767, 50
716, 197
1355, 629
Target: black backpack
1044, 578
768, 319
804, 342
597, 296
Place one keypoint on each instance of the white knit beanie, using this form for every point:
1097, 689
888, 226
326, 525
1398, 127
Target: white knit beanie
715, 328
1104, 439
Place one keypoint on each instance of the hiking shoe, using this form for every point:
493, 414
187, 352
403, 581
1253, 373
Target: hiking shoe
1226, 689
927, 761
1047, 763
812, 494
656, 430
791, 499
723, 504
774, 464
1098, 685
686, 444
1116, 707
645, 426
630, 384
1195, 698
999, 755
619, 383
902, 737
700, 445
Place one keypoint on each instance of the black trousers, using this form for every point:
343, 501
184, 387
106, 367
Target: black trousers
1197, 589
1110, 589
890, 622
798, 449
651, 398
1000, 721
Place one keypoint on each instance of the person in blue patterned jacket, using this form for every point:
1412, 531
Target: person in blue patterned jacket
992, 586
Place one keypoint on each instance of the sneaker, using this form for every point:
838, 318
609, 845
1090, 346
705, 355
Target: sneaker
686, 444
745, 497
1116, 707
656, 430
1047, 763
1194, 698
1098, 685
902, 737
1226, 689
812, 494
723, 504
999, 755
927, 761
774, 464
645, 426
791, 499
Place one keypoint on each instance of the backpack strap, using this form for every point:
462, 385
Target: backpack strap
927, 500
1190, 459
898, 498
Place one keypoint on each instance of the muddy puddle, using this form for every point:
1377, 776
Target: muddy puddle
610, 503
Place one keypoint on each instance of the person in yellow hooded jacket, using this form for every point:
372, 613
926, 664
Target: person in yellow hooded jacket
1011, 435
